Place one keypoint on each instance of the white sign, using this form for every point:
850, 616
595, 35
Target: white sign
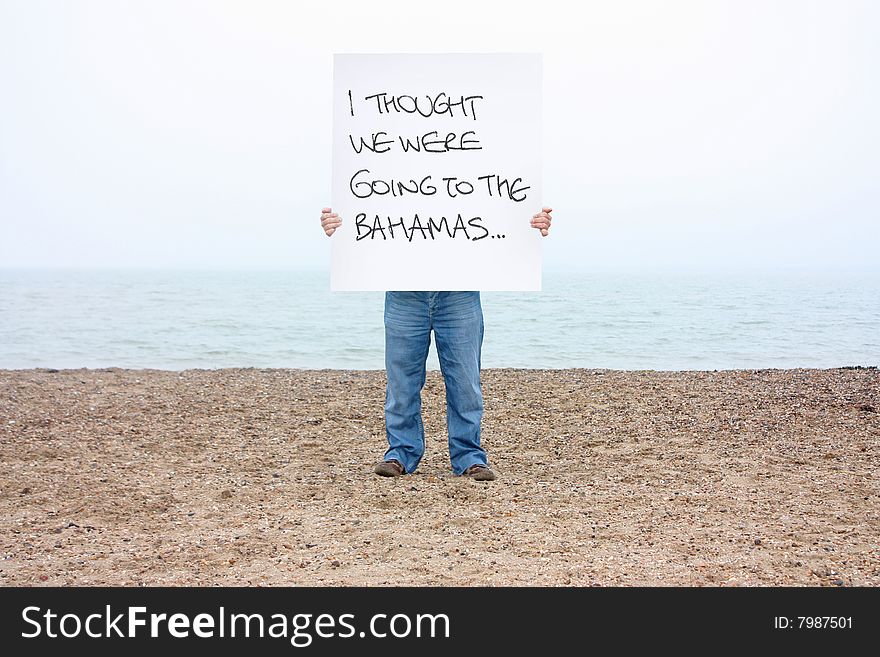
436, 172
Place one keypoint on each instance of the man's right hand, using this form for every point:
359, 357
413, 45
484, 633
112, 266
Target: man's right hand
330, 221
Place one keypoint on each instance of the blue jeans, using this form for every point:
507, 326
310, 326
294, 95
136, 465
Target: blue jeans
457, 321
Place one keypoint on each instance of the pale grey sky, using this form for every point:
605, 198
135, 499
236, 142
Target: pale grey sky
192, 134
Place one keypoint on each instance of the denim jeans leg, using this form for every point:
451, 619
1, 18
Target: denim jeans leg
407, 340
458, 333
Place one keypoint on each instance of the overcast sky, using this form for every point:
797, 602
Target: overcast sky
197, 134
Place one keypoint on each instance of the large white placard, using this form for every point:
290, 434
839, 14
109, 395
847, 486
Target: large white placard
436, 172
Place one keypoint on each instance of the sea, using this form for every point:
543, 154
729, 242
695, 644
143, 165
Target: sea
615, 319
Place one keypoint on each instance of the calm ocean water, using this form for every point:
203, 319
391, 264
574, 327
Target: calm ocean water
636, 320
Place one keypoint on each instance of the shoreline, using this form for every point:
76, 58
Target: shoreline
254, 368
606, 477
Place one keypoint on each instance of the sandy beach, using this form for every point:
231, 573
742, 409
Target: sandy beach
263, 477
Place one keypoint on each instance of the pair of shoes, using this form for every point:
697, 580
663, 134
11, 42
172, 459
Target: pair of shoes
479, 472
392, 468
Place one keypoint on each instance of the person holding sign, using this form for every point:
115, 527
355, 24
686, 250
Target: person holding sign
457, 321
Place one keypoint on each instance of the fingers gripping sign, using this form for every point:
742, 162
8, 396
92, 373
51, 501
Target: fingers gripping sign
541, 221
330, 221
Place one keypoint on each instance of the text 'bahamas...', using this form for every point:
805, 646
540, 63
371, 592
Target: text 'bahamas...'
405, 228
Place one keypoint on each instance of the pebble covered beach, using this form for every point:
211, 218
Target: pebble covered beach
264, 477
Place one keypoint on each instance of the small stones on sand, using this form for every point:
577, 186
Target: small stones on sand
619, 478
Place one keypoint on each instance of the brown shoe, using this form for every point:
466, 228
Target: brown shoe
392, 468
479, 472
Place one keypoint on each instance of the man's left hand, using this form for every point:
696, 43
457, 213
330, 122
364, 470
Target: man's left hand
541, 221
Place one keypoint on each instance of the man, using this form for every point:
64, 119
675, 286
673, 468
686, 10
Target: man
457, 321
